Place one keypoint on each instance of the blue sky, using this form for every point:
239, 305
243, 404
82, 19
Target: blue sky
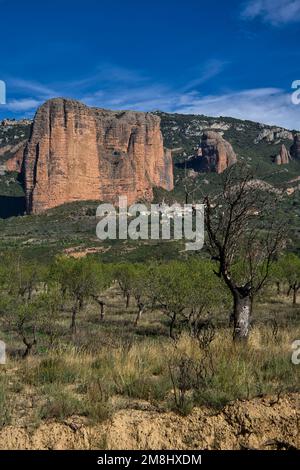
230, 58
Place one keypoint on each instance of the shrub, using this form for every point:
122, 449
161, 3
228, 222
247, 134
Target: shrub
98, 406
5, 405
51, 370
60, 404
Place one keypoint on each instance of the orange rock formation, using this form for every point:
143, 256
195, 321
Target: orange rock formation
79, 153
284, 156
217, 153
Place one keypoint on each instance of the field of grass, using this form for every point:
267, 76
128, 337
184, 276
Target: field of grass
112, 364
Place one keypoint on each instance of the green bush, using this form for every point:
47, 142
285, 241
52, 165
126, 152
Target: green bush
51, 370
60, 404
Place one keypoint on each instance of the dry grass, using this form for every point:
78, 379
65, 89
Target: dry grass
5, 403
112, 364
70, 381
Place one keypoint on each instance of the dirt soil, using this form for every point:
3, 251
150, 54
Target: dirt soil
261, 423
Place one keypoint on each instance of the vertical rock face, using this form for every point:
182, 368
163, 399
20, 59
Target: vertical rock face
217, 153
295, 149
12, 156
79, 153
284, 156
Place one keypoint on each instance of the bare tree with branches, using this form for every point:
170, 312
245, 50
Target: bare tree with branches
244, 237
191, 186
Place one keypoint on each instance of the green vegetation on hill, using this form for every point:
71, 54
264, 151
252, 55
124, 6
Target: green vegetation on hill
12, 134
10, 186
73, 225
183, 133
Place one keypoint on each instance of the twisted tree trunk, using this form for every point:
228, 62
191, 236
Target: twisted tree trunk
295, 292
242, 315
75, 310
141, 308
101, 304
127, 300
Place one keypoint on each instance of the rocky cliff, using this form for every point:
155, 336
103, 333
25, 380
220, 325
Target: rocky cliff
274, 134
12, 156
216, 153
284, 156
81, 153
13, 139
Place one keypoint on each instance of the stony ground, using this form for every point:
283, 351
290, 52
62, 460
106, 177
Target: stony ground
261, 423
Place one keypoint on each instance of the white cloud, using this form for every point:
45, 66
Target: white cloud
276, 12
143, 98
130, 90
22, 105
31, 86
32, 94
209, 70
268, 105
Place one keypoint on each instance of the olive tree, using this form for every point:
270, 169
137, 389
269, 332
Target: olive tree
103, 280
24, 317
185, 291
172, 283
124, 275
290, 268
20, 276
203, 303
277, 275
21, 286
49, 305
141, 288
78, 278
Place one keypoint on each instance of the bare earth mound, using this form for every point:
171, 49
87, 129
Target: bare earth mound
262, 423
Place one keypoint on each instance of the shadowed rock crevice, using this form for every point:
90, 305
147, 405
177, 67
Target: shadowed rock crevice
11, 206
295, 149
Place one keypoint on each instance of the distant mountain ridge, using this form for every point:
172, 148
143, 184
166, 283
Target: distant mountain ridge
255, 143
185, 130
